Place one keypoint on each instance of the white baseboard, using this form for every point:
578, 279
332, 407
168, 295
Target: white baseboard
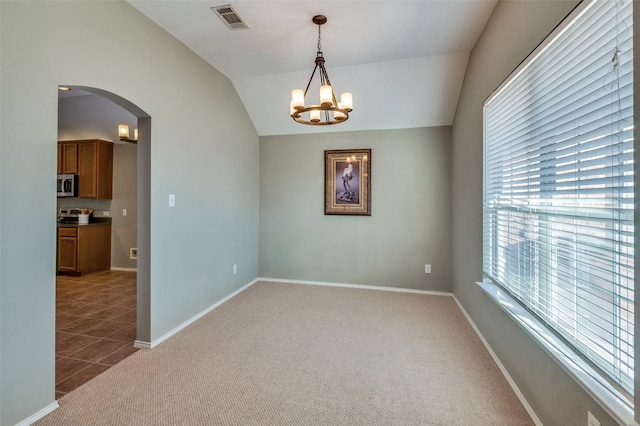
40, 414
141, 344
360, 286
502, 368
191, 320
118, 268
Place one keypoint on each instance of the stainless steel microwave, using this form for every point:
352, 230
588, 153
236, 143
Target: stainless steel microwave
67, 185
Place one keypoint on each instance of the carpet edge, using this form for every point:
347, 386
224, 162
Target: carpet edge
501, 366
175, 330
356, 286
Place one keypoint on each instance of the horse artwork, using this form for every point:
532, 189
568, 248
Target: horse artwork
347, 182
348, 195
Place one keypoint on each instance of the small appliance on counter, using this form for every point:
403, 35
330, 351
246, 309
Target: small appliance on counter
75, 215
67, 186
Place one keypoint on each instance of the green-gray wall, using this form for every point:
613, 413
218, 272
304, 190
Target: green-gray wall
409, 225
514, 30
204, 149
425, 183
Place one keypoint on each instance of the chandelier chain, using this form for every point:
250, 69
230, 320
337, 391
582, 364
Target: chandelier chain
319, 42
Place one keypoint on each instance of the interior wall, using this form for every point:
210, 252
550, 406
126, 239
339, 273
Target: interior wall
409, 224
94, 117
202, 137
124, 227
514, 30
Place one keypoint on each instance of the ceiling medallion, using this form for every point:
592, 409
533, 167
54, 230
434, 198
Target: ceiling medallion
330, 111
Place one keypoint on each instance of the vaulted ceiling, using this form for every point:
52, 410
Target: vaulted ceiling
404, 61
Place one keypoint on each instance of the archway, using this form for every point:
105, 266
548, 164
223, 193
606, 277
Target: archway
143, 210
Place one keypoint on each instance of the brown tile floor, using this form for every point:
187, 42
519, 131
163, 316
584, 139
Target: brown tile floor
95, 325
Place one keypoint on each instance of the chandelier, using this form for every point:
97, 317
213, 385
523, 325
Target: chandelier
330, 111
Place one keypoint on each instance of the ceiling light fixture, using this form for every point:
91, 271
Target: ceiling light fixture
123, 133
330, 111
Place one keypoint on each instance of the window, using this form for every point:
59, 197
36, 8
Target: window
558, 187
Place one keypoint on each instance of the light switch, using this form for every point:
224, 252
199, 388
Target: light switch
172, 200
124, 212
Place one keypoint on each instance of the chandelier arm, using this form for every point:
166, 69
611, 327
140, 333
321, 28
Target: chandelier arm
324, 77
335, 101
310, 80
327, 81
333, 93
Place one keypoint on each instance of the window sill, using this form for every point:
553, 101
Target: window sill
611, 400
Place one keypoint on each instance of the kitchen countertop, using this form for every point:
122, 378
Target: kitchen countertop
96, 221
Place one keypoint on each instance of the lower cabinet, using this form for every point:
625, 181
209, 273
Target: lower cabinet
84, 249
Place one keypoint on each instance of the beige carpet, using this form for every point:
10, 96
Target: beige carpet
287, 354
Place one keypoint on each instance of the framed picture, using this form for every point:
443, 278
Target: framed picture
347, 182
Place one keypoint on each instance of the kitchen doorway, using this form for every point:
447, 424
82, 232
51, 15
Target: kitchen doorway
103, 317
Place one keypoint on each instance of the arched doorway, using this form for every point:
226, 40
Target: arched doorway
142, 165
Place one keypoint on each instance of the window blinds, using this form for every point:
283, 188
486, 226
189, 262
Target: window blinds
558, 186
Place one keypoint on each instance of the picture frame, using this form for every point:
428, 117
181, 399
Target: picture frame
347, 182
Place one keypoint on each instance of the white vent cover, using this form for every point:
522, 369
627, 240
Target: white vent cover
230, 17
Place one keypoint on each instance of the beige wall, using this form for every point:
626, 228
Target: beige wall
514, 30
409, 224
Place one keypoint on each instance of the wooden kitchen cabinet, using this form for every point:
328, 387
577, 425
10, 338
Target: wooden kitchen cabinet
68, 158
84, 249
68, 249
95, 169
93, 162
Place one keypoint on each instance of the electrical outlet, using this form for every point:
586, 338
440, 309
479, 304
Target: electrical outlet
133, 253
235, 268
591, 420
124, 212
427, 269
105, 213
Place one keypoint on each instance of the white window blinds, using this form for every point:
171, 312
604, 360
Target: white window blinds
558, 186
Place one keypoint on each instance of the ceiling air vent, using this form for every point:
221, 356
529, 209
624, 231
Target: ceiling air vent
230, 17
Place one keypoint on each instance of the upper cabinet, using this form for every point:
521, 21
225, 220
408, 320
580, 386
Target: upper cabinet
93, 164
68, 158
95, 169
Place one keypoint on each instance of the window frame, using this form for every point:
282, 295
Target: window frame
614, 402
